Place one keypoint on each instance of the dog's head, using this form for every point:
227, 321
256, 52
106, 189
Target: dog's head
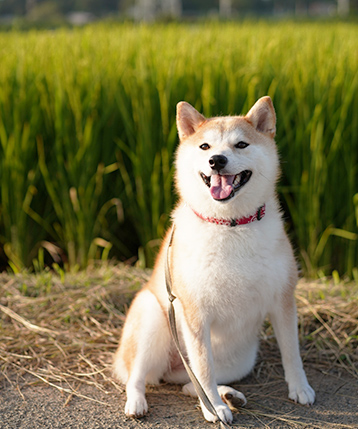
227, 166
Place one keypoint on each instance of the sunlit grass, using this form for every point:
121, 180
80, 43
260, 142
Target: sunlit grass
87, 118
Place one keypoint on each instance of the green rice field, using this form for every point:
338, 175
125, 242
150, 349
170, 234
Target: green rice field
87, 132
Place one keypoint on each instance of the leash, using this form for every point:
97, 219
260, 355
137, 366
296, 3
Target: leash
173, 328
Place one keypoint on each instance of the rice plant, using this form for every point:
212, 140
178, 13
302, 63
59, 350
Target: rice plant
90, 114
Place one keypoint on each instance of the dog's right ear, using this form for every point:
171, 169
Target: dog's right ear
188, 119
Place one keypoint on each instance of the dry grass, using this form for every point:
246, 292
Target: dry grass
63, 328
328, 316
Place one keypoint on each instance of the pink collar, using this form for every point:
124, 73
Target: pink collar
234, 222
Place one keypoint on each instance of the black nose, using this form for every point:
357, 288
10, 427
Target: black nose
217, 162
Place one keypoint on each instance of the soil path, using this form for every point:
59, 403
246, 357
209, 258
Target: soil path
31, 405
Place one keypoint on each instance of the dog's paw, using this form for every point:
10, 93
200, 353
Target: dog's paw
302, 393
189, 390
136, 406
230, 395
223, 411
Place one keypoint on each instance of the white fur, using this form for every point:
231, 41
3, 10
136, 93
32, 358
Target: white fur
227, 279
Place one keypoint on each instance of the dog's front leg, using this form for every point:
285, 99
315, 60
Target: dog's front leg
198, 346
284, 321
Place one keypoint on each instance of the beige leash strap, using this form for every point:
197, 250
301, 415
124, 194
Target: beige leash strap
172, 322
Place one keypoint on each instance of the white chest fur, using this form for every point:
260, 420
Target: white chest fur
231, 271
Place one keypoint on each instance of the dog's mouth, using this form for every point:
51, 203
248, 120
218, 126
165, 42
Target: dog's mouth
224, 187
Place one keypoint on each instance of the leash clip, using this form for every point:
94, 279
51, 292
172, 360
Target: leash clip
171, 297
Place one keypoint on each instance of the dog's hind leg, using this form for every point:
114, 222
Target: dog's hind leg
143, 354
230, 395
227, 394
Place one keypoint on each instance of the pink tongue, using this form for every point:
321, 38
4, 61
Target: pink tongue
221, 186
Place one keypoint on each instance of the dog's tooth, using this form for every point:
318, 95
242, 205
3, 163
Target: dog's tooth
237, 180
206, 179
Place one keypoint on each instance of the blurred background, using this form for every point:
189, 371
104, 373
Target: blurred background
88, 91
80, 12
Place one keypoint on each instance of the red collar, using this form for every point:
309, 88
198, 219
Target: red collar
234, 222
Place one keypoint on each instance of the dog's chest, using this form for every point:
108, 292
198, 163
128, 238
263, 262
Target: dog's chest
227, 270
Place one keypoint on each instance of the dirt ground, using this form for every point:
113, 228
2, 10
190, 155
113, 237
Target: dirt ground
58, 335
27, 403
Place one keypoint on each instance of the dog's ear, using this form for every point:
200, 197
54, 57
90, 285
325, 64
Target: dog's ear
263, 117
188, 119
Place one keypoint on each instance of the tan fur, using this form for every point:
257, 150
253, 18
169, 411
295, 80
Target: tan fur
226, 279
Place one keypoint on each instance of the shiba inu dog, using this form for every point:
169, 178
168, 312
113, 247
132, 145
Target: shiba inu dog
231, 265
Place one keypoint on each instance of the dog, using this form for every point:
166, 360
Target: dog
231, 265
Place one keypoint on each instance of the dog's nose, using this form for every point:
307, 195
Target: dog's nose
217, 162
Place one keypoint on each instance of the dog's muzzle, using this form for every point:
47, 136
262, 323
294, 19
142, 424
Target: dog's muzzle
224, 187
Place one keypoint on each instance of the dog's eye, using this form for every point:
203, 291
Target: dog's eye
241, 145
204, 146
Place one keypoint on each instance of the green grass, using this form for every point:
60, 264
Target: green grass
87, 130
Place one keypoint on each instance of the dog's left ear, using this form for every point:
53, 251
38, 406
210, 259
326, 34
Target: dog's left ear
188, 119
263, 117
